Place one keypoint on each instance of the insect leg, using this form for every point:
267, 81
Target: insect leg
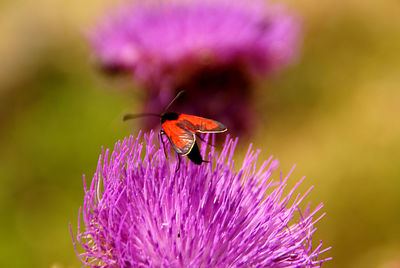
163, 143
179, 163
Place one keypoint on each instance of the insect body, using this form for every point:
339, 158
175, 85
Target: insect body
182, 129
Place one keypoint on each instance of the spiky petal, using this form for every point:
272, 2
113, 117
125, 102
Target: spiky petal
139, 213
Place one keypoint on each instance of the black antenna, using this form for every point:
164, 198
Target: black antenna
133, 116
176, 97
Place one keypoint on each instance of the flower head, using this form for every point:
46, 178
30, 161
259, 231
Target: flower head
139, 213
213, 49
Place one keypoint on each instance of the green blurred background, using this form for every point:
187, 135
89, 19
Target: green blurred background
335, 114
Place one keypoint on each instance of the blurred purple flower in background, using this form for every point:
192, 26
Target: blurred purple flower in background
214, 49
139, 213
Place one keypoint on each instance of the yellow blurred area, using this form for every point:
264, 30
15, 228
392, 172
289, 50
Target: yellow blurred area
335, 114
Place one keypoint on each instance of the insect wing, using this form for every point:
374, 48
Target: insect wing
181, 138
200, 124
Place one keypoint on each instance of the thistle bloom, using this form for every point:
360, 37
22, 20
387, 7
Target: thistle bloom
213, 49
139, 212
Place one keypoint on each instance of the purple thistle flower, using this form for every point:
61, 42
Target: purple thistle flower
139, 213
213, 49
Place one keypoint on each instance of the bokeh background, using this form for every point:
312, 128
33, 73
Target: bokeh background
335, 114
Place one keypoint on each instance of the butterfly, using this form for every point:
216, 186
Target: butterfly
182, 130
